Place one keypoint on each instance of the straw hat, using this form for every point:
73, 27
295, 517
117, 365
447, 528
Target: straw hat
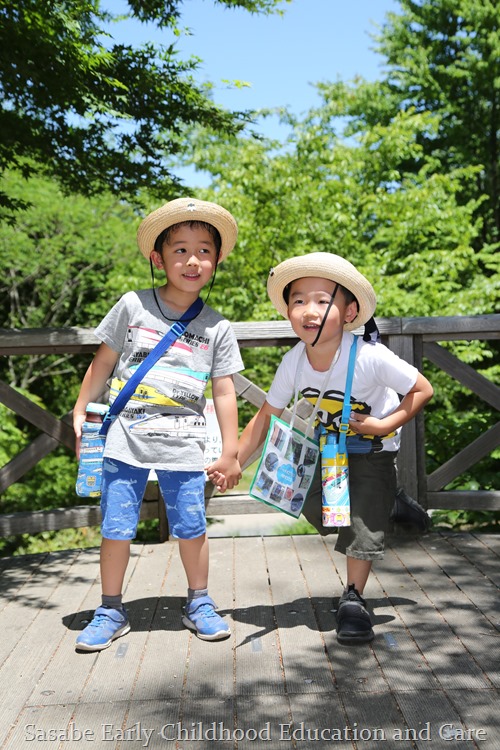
323, 266
187, 209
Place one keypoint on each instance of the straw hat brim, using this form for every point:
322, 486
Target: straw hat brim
323, 266
187, 209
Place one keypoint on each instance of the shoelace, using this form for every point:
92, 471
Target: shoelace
206, 610
99, 621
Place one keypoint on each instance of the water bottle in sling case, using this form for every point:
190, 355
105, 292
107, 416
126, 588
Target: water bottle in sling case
88, 481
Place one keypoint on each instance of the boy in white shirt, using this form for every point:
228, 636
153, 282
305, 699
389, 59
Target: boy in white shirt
325, 298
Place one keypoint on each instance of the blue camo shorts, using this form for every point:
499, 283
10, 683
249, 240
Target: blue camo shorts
123, 488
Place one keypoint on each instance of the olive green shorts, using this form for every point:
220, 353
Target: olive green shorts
372, 489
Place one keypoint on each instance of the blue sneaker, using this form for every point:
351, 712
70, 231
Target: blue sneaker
200, 616
107, 624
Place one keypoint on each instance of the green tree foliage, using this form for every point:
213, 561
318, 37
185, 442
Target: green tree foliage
93, 113
443, 56
409, 230
64, 264
64, 258
371, 174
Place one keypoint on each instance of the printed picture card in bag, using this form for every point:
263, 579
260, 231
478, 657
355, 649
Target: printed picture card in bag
286, 468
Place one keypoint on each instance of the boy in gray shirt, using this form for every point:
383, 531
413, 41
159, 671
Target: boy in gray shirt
162, 427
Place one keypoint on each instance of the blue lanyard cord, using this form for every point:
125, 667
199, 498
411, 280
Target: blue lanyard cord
176, 330
346, 406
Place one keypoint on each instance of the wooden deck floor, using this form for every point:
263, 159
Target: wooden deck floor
429, 680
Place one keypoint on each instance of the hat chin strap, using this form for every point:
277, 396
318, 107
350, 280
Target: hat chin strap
325, 315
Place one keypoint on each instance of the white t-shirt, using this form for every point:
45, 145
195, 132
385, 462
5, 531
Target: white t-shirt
162, 426
379, 376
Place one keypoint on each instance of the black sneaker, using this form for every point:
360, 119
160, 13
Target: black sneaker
353, 621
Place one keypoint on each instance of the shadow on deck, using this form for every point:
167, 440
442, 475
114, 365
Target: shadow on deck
429, 680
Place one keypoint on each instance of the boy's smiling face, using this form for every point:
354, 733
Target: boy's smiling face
188, 258
308, 302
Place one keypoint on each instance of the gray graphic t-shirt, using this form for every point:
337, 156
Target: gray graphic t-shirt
162, 426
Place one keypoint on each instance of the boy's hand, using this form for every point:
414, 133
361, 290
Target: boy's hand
218, 480
78, 420
225, 473
365, 424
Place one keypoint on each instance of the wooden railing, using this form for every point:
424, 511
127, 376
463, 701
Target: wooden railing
413, 339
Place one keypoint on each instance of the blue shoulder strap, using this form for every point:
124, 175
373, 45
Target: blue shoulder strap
346, 406
176, 329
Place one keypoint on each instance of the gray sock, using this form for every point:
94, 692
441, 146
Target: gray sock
196, 593
113, 602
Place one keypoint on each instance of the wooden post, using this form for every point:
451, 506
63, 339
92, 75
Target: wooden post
408, 474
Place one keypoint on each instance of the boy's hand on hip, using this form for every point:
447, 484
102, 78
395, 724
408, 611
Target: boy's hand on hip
364, 424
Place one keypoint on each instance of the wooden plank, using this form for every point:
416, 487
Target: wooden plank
25, 460
199, 680
477, 383
75, 340
198, 715
71, 340
163, 678
74, 670
305, 665
428, 715
77, 516
105, 720
468, 456
23, 608
472, 336
257, 648
482, 557
318, 719
373, 720
155, 612
157, 721
87, 676
469, 326
472, 611
431, 619
67, 671
265, 713
397, 648
15, 572
439, 587
39, 724
227, 505
106, 684
479, 714
492, 541
403, 346
35, 415
464, 500
31, 634
320, 566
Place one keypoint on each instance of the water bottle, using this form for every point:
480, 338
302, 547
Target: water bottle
88, 481
336, 508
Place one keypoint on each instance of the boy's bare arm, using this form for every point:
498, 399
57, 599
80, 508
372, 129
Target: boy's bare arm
255, 432
251, 438
93, 385
226, 408
413, 402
